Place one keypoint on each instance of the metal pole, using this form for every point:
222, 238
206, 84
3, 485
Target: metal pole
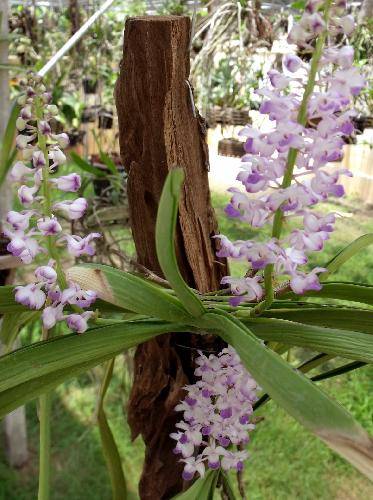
75, 38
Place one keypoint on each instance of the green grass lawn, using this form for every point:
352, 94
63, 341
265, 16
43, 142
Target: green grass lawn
287, 462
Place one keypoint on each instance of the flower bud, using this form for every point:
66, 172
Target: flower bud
292, 62
26, 113
52, 109
21, 124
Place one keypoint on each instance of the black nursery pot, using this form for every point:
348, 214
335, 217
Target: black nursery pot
75, 137
88, 115
89, 85
105, 120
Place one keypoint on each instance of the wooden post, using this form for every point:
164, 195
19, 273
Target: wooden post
160, 129
15, 422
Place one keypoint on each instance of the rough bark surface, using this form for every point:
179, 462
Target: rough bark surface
159, 130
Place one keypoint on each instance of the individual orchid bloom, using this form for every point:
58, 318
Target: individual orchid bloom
292, 62
302, 240
23, 245
278, 80
68, 183
46, 274
325, 183
193, 465
38, 159
22, 141
347, 24
245, 289
49, 226
213, 454
255, 143
78, 246
234, 461
19, 220
302, 282
74, 295
44, 127
227, 248
79, 322
253, 211
30, 296
51, 315
57, 157
316, 23
73, 209
19, 172
314, 222
347, 82
26, 194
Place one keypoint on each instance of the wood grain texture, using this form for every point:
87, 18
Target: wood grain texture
158, 130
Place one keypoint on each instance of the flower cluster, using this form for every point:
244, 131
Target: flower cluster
285, 172
217, 412
36, 229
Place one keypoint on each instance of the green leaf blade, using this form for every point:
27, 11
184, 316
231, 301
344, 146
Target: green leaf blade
165, 242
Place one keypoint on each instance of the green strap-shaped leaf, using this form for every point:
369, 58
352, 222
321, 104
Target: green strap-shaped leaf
349, 251
202, 489
11, 325
128, 291
306, 402
165, 242
353, 292
346, 343
69, 351
357, 320
6, 149
86, 166
109, 447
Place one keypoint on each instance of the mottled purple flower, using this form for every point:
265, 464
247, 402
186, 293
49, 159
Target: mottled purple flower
46, 274
79, 322
30, 296
78, 246
51, 315
302, 282
70, 182
73, 209
49, 226
19, 220
292, 62
38, 159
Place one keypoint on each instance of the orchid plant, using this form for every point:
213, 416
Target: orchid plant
260, 317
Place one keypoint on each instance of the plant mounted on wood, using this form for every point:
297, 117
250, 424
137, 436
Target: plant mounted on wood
259, 317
